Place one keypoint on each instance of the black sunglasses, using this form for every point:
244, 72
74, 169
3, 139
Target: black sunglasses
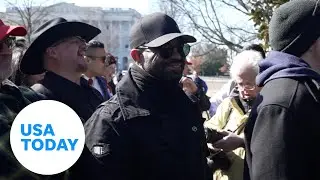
107, 60
166, 52
8, 41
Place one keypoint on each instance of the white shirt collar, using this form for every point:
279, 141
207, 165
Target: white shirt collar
87, 78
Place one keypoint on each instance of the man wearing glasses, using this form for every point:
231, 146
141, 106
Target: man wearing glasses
61, 55
229, 122
58, 48
12, 100
100, 64
150, 129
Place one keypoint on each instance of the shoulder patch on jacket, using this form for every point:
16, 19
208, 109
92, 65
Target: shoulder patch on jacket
101, 149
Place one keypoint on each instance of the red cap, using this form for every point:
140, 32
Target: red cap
11, 30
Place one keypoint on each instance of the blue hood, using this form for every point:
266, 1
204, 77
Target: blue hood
283, 65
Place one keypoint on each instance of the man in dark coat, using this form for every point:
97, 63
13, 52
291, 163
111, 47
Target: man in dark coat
283, 129
150, 129
59, 48
99, 62
12, 100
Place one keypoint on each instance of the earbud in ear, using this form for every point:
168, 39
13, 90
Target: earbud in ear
135, 54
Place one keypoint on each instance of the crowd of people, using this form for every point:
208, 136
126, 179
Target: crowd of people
149, 124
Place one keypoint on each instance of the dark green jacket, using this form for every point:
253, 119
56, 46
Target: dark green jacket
12, 100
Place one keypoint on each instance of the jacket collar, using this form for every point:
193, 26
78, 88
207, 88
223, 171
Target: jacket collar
127, 95
7, 82
9, 88
136, 102
102, 84
59, 84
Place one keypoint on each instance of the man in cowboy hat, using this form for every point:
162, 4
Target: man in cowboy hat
58, 48
12, 100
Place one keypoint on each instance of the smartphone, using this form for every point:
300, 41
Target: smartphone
213, 135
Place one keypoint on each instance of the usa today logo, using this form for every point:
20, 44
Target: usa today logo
47, 137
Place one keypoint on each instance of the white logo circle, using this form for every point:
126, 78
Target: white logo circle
47, 137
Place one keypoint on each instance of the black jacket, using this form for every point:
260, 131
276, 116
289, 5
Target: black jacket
150, 133
84, 100
12, 100
283, 129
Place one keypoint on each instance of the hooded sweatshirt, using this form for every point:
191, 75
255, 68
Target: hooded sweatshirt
283, 65
283, 121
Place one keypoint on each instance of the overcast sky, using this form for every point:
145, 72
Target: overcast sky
142, 6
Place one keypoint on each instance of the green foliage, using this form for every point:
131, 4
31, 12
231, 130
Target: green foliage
261, 13
213, 58
211, 68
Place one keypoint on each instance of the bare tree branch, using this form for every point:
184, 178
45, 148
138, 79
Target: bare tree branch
203, 17
239, 3
28, 14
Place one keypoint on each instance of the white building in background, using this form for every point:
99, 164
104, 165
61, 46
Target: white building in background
115, 25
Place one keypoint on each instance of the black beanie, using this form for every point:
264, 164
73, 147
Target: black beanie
295, 26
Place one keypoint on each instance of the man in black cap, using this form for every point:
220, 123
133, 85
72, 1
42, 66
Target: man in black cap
283, 128
150, 129
58, 48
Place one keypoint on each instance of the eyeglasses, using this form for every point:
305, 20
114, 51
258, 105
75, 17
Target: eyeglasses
8, 41
107, 60
248, 87
167, 51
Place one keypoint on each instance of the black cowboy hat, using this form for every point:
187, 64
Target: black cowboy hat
49, 33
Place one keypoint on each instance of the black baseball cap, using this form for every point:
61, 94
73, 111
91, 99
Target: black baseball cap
155, 30
295, 26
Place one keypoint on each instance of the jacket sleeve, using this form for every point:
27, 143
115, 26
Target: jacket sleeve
267, 144
201, 99
108, 142
204, 102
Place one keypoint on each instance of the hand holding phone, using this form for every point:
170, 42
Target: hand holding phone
213, 135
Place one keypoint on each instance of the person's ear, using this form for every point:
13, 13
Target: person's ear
258, 89
136, 55
51, 52
87, 59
